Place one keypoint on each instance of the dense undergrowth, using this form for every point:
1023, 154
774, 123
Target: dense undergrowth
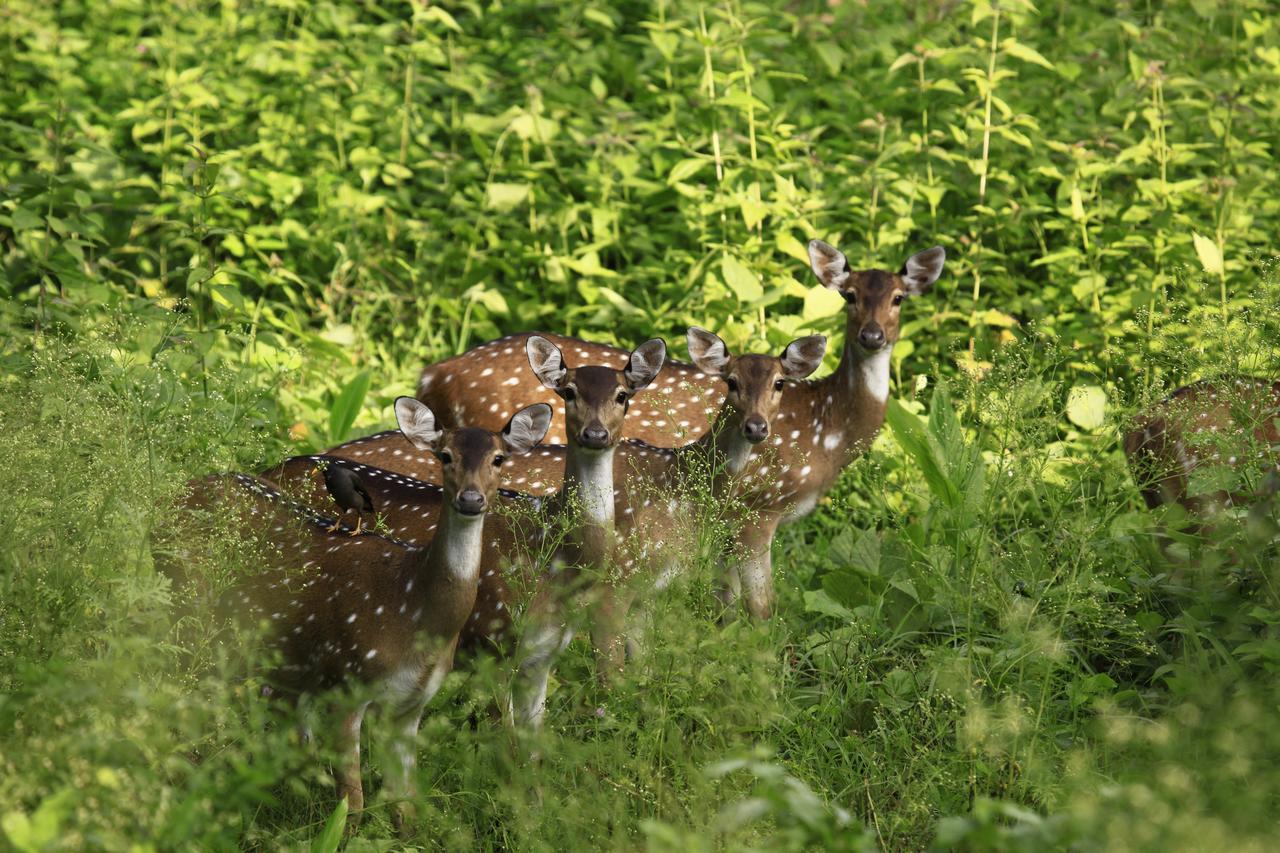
233, 231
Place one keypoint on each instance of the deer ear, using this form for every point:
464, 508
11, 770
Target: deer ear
546, 361
803, 356
922, 269
645, 362
829, 264
417, 423
527, 427
707, 351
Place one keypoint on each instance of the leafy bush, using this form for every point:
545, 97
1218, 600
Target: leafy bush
231, 232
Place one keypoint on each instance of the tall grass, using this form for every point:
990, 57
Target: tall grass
234, 232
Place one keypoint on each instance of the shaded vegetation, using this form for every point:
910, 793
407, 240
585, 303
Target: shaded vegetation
233, 231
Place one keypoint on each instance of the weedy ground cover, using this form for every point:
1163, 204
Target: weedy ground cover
231, 232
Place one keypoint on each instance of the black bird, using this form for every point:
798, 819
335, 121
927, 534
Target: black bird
348, 493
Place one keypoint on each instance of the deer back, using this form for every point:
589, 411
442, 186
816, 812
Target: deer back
480, 384
1231, 421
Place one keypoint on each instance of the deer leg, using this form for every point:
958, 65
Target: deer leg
348, 781
607, 626
756, 568
536, 655
401, 781
730, 588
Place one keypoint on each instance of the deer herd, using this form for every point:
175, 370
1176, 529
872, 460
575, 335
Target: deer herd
538, 484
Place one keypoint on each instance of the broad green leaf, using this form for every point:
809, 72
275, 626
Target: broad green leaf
820, 601
821, 301
1087, 406
665, 42
831, 54
784, 240
330, 837
1018, 50
753, 209
25, 220
506, 196
686, 169
911, 436
744, 284
347, 406
1209, 254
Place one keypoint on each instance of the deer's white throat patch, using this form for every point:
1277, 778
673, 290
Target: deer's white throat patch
875, 374
592, 471
463, 540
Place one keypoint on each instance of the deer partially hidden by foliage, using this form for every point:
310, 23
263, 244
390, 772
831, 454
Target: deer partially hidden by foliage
1221, 427
573, 529
820, 426
368, 615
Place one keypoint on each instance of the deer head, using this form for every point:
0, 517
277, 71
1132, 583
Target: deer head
873, 297
595, 398
471, 457
755, 381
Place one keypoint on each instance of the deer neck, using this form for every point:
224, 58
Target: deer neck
588, 478
732, 447
453, 557
852, 400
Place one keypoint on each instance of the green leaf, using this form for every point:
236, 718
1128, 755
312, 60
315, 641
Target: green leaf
911, 436
831, 54
41, 829
741, 281
506, 196
347, 406
785, 241
686, 169
820, 601
25, 220
1209, 253
330, 838
821, 301
753, 209
1018, 50
1087, 406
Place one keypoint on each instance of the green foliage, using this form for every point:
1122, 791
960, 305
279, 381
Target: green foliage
230, 232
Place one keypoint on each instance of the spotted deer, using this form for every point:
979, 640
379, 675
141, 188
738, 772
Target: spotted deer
374, 612
823, 425
645, 477
1232, 422
597, 400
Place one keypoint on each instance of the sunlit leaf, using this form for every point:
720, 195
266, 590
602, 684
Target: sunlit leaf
1209, 254
1087, 406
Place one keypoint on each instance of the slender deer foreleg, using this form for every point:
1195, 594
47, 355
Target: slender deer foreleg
348, 785
755, 568
401, 781
608, 623
536, 654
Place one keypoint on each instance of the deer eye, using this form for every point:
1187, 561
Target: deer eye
446, 458
569, 394
622, 398
498, 460
850, 296
732, 383
897, 299
777, 386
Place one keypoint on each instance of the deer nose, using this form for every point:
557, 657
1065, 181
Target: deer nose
871, 337
756, 429
469, 502
595, 437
